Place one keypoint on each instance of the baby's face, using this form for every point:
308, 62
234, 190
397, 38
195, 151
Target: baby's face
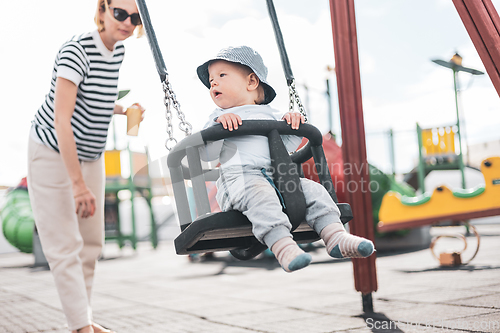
228, 84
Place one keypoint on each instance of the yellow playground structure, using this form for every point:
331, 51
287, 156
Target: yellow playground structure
400, 212
437, 151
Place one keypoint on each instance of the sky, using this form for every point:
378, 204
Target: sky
396, 39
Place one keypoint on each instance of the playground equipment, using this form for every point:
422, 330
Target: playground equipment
436, 151
454, 258
346, 54
480, 22
232, 230
138, 182
437, 148
18, 222
397, 211
440, 148
380, 183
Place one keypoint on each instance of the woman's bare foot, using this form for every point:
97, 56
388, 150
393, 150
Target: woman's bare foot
99, 329
86, 329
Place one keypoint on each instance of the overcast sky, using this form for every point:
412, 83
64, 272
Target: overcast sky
397, 40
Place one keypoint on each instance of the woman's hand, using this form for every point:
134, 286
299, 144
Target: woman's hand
139, 106
121, 110
229, 121
84, 201
294, 119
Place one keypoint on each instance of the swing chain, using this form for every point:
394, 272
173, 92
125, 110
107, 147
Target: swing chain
171, 141
295, 99
170, 100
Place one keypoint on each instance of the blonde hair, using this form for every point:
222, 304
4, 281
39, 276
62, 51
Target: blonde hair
102, 6
261, 95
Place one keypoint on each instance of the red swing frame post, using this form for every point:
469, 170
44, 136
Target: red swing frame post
482, 23
353, 141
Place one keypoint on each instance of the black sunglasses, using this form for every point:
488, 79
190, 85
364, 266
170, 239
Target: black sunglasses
121, 15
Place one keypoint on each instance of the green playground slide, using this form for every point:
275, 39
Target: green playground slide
17, 220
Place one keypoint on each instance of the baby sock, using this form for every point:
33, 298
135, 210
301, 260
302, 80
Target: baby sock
340, 244
290, 255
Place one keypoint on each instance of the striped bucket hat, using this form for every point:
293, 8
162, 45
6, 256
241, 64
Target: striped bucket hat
246, 56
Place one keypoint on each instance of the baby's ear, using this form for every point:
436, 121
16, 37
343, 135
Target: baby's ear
253, 81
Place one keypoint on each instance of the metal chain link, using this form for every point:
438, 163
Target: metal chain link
291, 95
295, 99
170, 100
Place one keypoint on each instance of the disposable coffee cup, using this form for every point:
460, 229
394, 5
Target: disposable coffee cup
134, 116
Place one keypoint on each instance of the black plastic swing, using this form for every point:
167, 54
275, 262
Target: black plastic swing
232, 231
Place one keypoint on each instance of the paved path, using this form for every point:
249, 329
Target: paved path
158, 291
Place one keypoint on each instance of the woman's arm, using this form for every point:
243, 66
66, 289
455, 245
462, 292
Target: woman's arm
118, 109
65, 100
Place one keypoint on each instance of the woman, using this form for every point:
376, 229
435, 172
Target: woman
65, 160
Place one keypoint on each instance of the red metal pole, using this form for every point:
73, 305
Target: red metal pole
482, 22
356, 170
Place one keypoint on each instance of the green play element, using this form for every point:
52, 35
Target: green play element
415, 201
380, 184
470, 193
17, 220
122, 93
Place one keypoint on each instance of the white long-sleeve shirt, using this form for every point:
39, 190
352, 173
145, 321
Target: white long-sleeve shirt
248, 149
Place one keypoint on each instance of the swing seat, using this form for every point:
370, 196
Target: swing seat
231, 230
228, 231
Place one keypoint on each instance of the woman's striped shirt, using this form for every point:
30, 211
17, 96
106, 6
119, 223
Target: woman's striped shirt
87, 62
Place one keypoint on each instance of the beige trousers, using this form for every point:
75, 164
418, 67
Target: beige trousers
71, 244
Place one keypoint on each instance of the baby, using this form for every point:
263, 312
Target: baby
236, 78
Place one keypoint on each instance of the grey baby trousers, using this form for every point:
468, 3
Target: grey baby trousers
246, 189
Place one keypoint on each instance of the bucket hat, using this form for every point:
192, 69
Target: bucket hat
242, 55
